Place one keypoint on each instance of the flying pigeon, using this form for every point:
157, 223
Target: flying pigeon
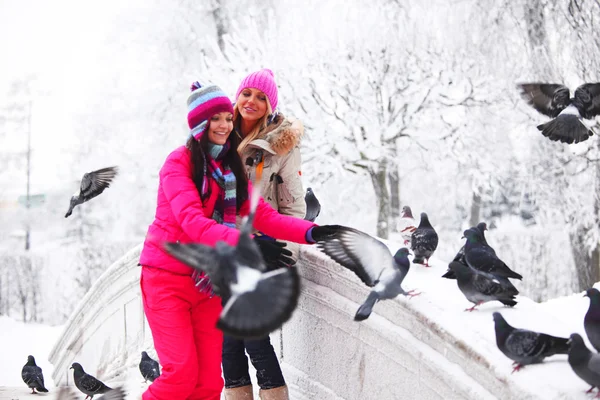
584, 363
554, 101
256, 302
149, 368
92, 184
591, 322
481, 287
32, 376
65, 393
313, 207
423, 241
86, 383
371, 261
478, 256
526, 347
406, 225
460, 256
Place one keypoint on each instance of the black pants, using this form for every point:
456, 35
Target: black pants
264, 360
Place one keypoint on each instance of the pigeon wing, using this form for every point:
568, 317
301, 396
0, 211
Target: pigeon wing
594, 364
94, 183
92, 385
248, 253
256, 313
524, 343
114, 394
196, 255
547, 98
590, 104
358, 252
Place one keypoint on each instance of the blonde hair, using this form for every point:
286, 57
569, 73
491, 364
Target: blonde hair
253, 134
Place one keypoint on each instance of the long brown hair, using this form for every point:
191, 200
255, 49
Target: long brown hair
253, 134
199, 149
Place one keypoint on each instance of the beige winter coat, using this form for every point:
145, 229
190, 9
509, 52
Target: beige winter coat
279, 145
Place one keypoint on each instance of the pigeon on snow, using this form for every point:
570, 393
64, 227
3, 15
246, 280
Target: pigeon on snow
554, 101
526, 347
32, 376
92, 184
460, 256
423, 241
65, 393
481, 287
479, 256
406, 224
584, 363
371, 261
256, 302
313, 207
591, 322
86, 383
149, 368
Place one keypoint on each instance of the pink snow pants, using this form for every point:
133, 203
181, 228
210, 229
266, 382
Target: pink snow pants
183, 324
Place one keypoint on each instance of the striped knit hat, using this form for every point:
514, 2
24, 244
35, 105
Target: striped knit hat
203, 103
263, 80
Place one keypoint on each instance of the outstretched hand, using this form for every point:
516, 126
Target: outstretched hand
274, 253
324, 232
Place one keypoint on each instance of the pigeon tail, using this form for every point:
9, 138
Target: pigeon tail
566, 128
449, 274
510, 303
364, 311
558, 345
418, 259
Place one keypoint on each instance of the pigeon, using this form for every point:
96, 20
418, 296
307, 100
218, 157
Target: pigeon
86, 383
481, 287
313, 207
584, 363
149, 368
591, 322
423, 241
65, 393
32, 376
256, 301
371, 261
460, 256
478, 256
526, 347
554, 101
92, 184
406, 225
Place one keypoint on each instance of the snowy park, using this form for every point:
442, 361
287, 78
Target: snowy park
466, 112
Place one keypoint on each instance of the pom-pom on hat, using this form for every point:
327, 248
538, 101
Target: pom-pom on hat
203, 103
263, 80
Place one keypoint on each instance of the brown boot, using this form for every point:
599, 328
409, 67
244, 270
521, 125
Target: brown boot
239, 393
278, 393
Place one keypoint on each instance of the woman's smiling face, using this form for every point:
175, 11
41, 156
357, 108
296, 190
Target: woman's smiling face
220, 127
252, 104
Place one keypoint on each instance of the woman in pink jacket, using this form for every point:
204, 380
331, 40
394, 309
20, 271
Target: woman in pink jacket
202, 189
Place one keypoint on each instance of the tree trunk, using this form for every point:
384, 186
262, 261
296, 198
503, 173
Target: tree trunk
219, 14
475, 215
379, 180
395, 197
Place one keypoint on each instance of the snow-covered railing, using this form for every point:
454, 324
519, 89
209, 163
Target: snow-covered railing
426, 347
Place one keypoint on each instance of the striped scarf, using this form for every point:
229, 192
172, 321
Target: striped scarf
225, 208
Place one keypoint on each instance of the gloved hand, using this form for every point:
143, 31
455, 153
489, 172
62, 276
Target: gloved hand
274, 253
320, 233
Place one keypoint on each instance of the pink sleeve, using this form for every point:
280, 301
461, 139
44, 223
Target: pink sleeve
278, 226
182, 195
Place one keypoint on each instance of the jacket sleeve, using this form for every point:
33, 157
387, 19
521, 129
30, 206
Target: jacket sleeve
186, 205
276, 225
290, 194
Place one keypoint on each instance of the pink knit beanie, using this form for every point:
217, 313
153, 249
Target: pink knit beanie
262, 80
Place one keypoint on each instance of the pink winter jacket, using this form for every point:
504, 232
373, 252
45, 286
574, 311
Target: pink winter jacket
182, 216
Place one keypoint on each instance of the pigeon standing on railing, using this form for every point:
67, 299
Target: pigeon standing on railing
460, 256
406, 225
371, 261
478, 256
591, 321
526, 347
313, 207
149, 368
256, 302
32, 376
92, 184
554, 101
584, 363
423, 241
481, 287
86, 383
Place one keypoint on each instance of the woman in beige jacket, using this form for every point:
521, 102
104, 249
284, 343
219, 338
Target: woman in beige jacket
271, 143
